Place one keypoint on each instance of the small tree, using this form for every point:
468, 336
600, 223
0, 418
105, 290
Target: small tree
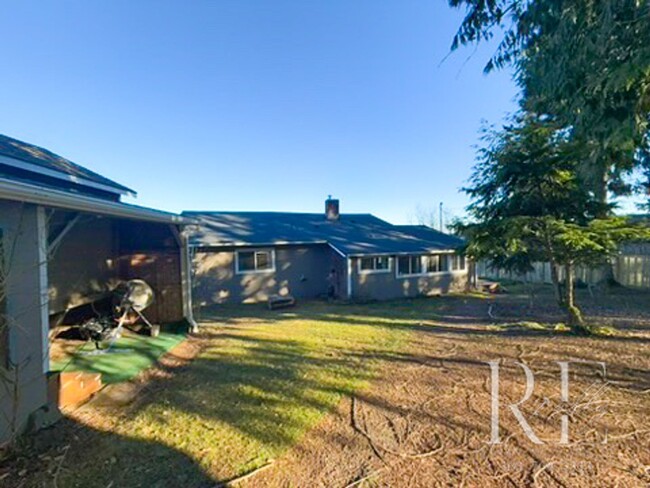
530, 204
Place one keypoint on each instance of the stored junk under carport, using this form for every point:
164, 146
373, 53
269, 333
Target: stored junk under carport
68, 240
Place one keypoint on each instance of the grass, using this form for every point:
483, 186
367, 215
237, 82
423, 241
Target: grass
263, 379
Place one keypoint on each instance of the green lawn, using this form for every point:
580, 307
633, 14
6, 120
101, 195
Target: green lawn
263, 379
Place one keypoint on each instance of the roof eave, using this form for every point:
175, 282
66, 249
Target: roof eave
402, 253
259, 244
18, 191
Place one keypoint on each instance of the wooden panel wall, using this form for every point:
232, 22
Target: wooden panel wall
162, 270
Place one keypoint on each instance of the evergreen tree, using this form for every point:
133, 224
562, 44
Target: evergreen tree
586, 65
530, 204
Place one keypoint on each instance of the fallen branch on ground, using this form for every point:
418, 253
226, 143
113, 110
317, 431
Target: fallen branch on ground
376, 447
365, 478
58, 468
541, 470
250, 474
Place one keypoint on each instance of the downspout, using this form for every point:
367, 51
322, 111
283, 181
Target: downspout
349, 278
186, 277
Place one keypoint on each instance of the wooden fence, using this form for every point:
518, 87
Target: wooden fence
630, 268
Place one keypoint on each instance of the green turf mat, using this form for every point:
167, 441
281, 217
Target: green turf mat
131, 354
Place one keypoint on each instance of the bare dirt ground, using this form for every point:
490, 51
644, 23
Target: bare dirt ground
427, 419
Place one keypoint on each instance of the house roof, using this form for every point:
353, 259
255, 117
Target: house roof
352, 234
34, 159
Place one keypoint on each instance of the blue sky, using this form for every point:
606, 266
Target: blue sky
254, 105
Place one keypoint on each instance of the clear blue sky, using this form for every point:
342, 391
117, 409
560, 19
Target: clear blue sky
253, 105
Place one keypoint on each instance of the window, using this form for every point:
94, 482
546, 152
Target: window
374, 264
436, 263
409, 265
255, 261
420, 265
457, 262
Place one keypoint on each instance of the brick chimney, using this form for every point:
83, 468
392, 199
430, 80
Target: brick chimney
331, 209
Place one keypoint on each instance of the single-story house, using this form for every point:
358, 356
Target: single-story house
66, 238
245, 257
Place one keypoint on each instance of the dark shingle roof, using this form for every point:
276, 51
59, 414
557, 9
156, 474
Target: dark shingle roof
352, 234
55, 165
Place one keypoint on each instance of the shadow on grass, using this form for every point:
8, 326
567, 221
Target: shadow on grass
254, 391
58, 456
438, 315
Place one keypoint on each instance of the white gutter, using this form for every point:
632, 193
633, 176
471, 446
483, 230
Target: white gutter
407, 253
25, 192
200, 245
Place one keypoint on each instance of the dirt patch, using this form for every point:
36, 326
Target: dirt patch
424, 421
427, 420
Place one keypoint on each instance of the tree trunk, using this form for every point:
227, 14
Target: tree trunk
555, 278
574, 315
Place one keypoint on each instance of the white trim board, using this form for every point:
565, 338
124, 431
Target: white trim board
35, 168
335, 249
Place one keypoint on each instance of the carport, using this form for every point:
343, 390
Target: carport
66, 239
89, 254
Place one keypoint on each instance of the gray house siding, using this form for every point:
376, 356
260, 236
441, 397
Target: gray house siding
386, 285
23, 321
300, 271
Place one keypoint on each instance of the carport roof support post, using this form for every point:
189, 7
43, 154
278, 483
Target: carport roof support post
24, 238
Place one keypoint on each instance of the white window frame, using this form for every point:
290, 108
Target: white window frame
271, 252
408, 275
457, 257
374, 270
423, 265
